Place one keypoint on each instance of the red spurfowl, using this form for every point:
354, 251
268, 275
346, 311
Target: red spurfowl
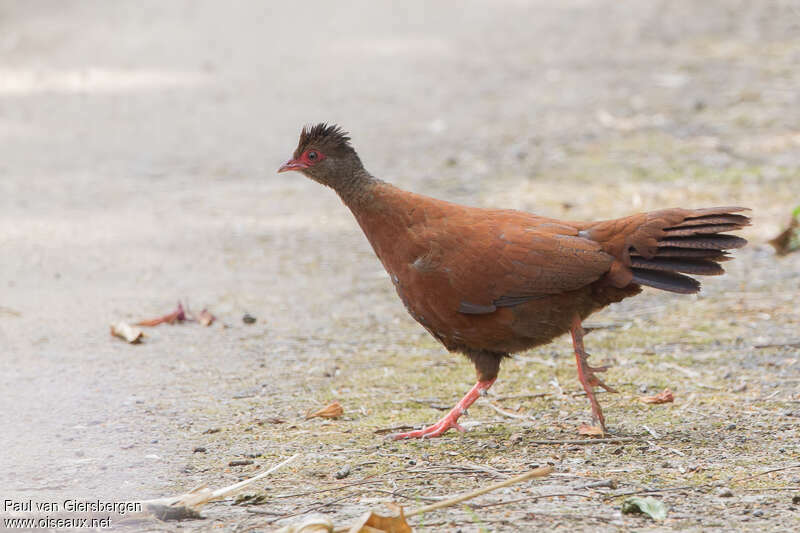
489, 282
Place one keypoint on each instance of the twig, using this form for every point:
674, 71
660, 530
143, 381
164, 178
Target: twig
401, 495
431, 404
771, 488
186, 505
520, 396
529, 498
794, 344
536, 472
509, 414
585, 441
766, 472
384, 431
691, 373
665, 489
343, 486
365, 482
307, 510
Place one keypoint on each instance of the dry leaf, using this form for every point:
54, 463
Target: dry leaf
374, 523
592, 431
788, 240
178, 315
127, 332
205, 318
664, 396
333, 410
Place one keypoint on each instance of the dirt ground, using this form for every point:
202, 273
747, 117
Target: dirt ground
138, 148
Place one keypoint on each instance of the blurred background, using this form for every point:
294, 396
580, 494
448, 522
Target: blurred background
138, 149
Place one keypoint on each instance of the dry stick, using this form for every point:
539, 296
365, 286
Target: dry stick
344, 486
766, 472
509, 414
608, 440
777, 345
536, 472
521, 396
185, 505
529, 498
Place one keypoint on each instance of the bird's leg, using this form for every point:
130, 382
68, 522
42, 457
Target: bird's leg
450, 419
586, 373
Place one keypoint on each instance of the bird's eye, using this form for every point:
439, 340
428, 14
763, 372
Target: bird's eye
312, 156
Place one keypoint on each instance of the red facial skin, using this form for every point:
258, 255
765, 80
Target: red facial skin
302, 162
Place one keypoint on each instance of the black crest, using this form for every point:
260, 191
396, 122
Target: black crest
328, 138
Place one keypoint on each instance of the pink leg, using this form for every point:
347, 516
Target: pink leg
450, 419
586, 373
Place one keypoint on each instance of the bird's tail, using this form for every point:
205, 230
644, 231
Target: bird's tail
694, 243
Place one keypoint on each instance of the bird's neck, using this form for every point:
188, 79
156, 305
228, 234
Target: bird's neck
356, 188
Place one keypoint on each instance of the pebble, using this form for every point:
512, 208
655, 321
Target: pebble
758, 513
343, 472
199, 449
725, 493
730, 427
249, 319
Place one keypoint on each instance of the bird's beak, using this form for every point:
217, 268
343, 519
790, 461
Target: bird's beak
292, 164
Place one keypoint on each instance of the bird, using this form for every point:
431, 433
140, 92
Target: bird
488, 283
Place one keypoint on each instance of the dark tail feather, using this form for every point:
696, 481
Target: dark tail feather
704, 242
703, 267
666, 281
694, 246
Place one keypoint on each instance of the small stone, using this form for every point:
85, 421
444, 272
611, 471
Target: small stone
758, 513
249, 319
796, 499
199, 449
730, 427
412, 462
725, 492
343, 472
516, 438
240, 462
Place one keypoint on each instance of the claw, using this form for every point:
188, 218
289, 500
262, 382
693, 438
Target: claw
450, 420
586, 373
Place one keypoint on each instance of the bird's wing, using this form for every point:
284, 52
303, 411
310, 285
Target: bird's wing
513, 259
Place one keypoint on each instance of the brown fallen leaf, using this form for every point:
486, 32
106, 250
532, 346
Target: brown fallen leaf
592, 431
205, 318
788, 240
126, 332
372, 522
664, 396
333, 410
178, 315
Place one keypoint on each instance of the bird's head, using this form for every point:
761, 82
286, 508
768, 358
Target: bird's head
324, 154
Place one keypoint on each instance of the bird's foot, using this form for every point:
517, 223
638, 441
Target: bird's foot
450, 420
436, 430
586, 374
591, 377
587, 377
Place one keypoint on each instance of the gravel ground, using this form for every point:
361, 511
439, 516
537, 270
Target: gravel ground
138, 148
